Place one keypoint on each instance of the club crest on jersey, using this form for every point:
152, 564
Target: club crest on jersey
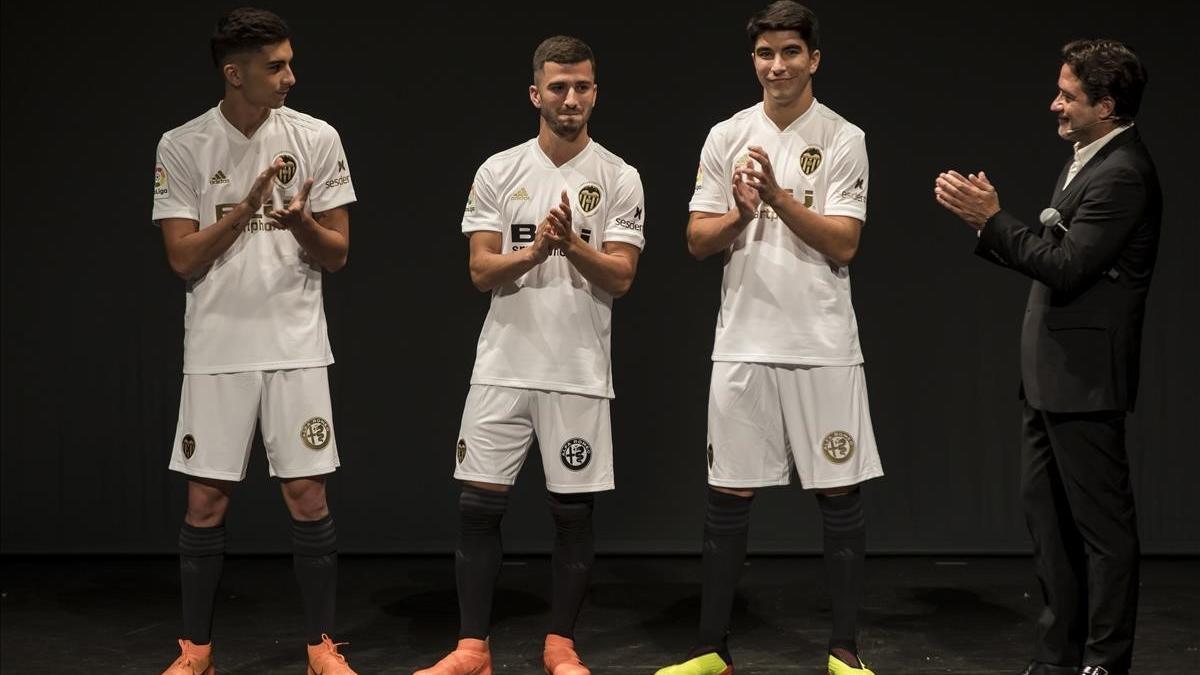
589, 197
288, 172
699, 177
161, 191
838, 446
188, 446
810, 160
460, 451
316, 433
576, 454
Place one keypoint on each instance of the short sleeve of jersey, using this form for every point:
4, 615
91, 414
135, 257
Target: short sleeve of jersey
175, 194
482, 212
627, 215
848, 178
713, 194
332, 186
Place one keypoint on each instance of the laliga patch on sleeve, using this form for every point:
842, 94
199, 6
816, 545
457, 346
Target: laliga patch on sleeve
161, 191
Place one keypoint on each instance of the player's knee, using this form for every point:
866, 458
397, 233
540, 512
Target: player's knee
572, 512
842, 513
305, 498
490, 487
204, 517
736, 492
836, 492
480, 509
727, 512
207, 504
309, 510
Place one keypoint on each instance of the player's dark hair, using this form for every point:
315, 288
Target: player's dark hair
246, 29
785, 15
562, 49
1108, 68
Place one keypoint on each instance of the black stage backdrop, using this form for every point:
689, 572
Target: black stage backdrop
92, 316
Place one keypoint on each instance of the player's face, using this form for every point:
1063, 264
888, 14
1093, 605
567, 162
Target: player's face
564, 94
784, 65
1078, 118
267, 75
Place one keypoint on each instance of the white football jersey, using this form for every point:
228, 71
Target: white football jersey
550, 328
259, 305
781, 300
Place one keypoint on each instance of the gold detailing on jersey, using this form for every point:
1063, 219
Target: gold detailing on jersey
810, 160
589, 197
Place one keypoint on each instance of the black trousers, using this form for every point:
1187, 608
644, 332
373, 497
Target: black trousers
1079, 508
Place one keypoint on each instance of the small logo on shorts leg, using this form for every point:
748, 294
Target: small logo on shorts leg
576, 454
188, 446
316, 433
460, 451
838, 446
710, 455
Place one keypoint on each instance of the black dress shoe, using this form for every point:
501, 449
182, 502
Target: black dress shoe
1039, 668
1094, 670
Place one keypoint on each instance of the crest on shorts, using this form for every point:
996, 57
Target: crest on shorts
288, 171
589, 197
710, 455
316, 433
810, 160
460, 451
188, 446
576, 454
838, 446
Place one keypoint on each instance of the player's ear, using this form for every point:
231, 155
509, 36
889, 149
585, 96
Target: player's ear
535, 97
815, 62
232, 73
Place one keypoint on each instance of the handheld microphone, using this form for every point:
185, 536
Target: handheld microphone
1051, 218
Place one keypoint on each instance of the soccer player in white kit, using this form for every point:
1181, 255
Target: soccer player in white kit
781, 193
555, 227
252, 201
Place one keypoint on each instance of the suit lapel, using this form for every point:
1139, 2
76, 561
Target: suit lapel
1070, 194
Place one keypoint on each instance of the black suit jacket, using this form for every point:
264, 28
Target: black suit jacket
1082, 334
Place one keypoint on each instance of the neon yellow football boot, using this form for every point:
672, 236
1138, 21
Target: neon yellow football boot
705, 664
840, 667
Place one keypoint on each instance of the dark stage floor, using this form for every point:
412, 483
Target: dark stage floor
923, 615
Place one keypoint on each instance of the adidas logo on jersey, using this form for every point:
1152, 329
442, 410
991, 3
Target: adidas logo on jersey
218, 179
521, 195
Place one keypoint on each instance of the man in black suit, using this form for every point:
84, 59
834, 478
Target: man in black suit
1091, 264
